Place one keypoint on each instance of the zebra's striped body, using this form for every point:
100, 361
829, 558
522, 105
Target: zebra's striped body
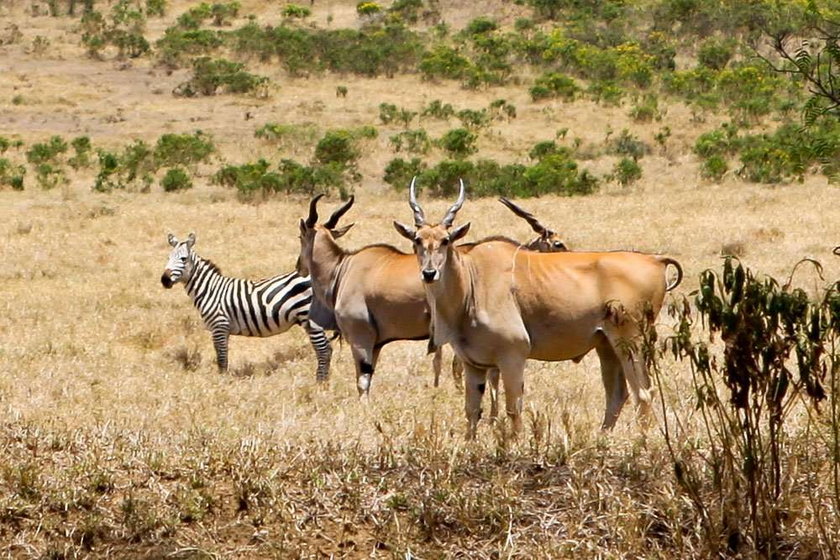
234, 306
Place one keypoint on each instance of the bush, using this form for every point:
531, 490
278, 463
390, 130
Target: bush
627, 171
11, 175
176, 179
183, 149
292, 134
553, 84
458, 142
412, 141
557, 173
444, 62
82, 148
212, 76
398, 172
337, 146
177, 45
714, 167
134, 167
296, 11
290, 177
627, 144
715, 53
646, 110
47, 152
473, 119
438, 110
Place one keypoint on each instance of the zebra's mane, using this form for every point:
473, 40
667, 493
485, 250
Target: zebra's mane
208, 263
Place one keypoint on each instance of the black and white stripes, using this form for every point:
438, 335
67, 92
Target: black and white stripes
234, 306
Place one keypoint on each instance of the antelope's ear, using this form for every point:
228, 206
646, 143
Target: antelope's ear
302, 226
190, 240
405, 231
338, 232
172, 239
459, 232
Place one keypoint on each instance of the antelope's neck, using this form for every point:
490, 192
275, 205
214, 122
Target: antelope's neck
450, 298
326, 260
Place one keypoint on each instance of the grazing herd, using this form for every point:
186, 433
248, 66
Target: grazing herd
496, 302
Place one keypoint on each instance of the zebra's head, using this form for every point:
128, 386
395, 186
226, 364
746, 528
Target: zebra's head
179, 266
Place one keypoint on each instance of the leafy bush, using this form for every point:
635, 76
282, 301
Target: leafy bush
473, 119
646, 110
368, 8
183, 149
177, 45
398, 172
714, 167
288, 134
133, 168
438, 110
458, 142
47, 152
444, 62
553, 84
627, 171
290, 177
82, 148
627, 144
716, 53
123, 29
296, 11
176, 179
11, 175
412, 141
212, 76
337, 146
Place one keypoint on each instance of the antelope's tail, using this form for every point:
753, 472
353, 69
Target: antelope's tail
676, 281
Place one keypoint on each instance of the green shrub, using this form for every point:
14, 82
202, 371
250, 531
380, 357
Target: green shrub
458, 142
557, 173
714, 167
11, 175
296, 11
47, 152
444, 62
627, 171
438, 110
481, 25
183, 149
212, 76
554, 84
627, 144
368, 8
82, 148
176, 179
646, 110
134, 167
337, 146
291, 177
291, 134
546, 148
412, 141
716, 53
473, 119
177, 45
398, 172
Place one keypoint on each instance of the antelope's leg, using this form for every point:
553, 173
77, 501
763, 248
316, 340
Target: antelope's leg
513, 378
323, 349
493, 382
615, 385
474, 387
457, 371
436, 364
635, 372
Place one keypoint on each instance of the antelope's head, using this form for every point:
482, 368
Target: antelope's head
310, 229
433, 244
548, 240
179, 267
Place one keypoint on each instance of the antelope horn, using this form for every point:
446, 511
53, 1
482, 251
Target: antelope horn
528, 217
333, 221
450, 215
313, 211
419, 216
837, 250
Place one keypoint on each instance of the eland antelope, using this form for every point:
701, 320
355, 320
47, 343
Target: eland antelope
374, 292
235, 306
498, 306
548, 241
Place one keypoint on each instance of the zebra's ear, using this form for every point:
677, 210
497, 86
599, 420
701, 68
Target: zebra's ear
172, 239
190, 240
338, 232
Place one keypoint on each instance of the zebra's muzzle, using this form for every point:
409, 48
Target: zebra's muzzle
166, 280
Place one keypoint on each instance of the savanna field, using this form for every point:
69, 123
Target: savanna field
648, 126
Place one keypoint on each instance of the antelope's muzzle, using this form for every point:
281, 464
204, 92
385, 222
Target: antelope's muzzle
429, 275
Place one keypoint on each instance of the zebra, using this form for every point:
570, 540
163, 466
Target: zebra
235, 306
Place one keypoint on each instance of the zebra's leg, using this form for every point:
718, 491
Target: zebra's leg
221, 336
323, 349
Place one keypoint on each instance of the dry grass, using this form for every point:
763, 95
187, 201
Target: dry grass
120, 438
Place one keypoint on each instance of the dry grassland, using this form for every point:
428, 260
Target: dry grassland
119, 437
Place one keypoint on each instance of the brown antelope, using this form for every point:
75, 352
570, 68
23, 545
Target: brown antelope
548, 241
498, 306
374, 292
